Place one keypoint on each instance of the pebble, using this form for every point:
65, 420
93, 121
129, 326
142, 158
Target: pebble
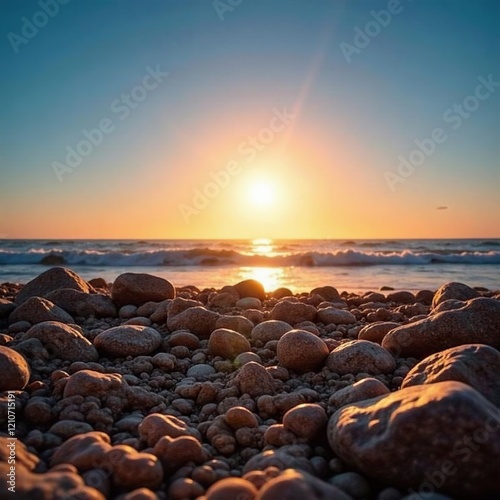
249, 303
129, 340
360, 356
301, 351
201, 371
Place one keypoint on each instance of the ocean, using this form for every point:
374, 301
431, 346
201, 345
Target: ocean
301, 265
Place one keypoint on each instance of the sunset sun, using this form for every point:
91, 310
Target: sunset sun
261, 193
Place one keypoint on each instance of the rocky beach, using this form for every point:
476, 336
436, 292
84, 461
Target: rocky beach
138, 390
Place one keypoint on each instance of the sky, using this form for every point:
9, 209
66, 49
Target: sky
249, 118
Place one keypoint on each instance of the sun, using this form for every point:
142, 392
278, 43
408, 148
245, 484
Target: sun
261, 193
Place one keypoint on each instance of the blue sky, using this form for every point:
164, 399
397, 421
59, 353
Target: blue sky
224, 79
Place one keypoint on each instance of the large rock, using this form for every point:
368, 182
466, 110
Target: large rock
301, 351
359, 356
63, 341
50, 280
14, 369
329, 293
137, 289
37, 310
128, 340
227, 343
474, 364
293, 312
83, 304
478, 322
445, 434
6, 307
250, 288
456, 291
197, 320
362, 390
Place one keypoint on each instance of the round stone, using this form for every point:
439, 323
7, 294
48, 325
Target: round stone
301, 351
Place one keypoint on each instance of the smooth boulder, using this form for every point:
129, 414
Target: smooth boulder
138, 288
474, 364
128, 340
446, 432
477, 322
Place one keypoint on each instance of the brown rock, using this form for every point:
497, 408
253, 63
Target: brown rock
14, 369
329, 315
197, 320
227, 343
155, 426
83, 304
232, 487
239, 416
91, 383
63, 341
239, 324
37, 310
306, 420
250, 288
456, 291
476, 365
255, 380
301, 351
176, 452
362, 390
446, 427
401, 297
128, 340
137, 289
375, 332
360, 356
270, 330
50, 280
478, 322
6, 307
298, 485
293, 312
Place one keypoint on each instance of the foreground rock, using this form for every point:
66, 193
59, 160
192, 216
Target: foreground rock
301, 351
128, 340
37, 310
455, 291
63, 341
137, 289
52, 279
360, 356
475, 364
14, 369
83, 304
477, 322
457, 451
